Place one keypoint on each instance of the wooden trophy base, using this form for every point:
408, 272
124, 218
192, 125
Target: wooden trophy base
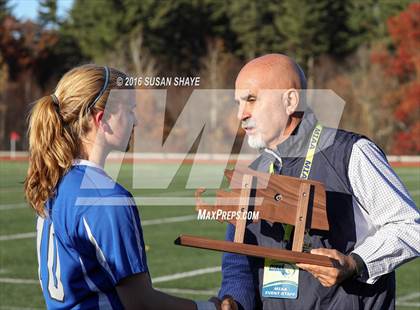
286, 200
286, 256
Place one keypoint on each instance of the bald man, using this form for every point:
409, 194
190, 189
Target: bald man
374, 223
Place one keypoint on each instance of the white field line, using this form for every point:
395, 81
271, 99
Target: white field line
17, 308
408, 304
143, 202
13, 206
161, 279
27, 235
187, 274
18, 281
415, 193
176, 219
409, 296
405, 301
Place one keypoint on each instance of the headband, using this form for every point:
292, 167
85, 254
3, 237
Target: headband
92, 104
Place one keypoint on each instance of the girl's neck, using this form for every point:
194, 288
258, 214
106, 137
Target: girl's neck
95, 153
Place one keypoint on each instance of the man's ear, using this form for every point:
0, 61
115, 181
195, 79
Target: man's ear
291, 100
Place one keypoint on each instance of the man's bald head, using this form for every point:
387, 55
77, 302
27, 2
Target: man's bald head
272, 71
267, 91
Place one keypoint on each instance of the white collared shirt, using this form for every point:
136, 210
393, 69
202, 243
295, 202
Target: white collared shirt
85, 162
386, 218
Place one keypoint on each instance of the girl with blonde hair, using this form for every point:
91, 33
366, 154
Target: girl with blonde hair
89, 239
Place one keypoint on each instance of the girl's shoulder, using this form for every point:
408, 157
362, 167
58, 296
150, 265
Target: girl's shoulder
85, 180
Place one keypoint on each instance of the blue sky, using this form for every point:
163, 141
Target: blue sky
28, 9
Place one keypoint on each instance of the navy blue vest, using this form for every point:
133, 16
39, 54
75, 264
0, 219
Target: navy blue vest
330, 167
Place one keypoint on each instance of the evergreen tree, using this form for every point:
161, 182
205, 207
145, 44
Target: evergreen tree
5, 9
96, 28
311, 28
367, 20
47, 13
175, 32
252, 24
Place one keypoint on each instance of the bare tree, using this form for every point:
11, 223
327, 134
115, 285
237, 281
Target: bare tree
143, 62
131, 56
364, 87
3, 107
218, 71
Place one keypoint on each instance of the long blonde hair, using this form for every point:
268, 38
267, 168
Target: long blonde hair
57, 126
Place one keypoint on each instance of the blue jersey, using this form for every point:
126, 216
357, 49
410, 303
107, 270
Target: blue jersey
90, 239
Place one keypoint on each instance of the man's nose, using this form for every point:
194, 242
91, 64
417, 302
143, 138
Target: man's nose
244, 111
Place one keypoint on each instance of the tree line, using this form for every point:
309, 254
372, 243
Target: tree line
366, 51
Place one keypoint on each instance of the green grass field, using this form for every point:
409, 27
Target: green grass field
18, 267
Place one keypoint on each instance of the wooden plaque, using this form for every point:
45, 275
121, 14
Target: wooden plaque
276, 198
